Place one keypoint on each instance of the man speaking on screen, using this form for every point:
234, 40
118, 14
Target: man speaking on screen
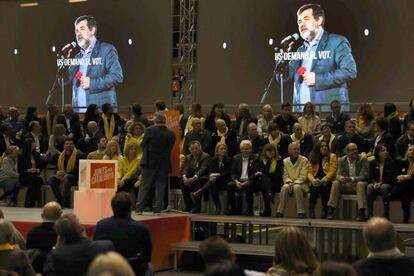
95, 70
322, 65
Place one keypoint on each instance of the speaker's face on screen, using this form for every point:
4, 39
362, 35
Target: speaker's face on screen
308, 25
83, 34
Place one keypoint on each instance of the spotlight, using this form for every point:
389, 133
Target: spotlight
224, 45
130, 41
15, 52
53, 49
366, 32
270, 41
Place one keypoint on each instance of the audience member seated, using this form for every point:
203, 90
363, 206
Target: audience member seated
226, 136
382, 136
43, 237
285, 120
111, 124
219, 176
245, 178
128, 169
293, 254
74, 251
267, 118
71, 122
295, 172
350, 136
404, 141
194, 175
337, 118
217, 112
322, 171
17, 236
216, 252
382, 177
138, 117
365, 121
11, 257
404, 186
67, 173
182, 119
271, 166
35, 135
9, 176
91, 114
100, 152
56, 143
48, 124
31, 115
332, 268
253, 136
112, 152
304, 140
244, 118
310, 122
409, 116
17, 124
351, 177
391, 114
135, 135
29, 165
110, 263
89, 143
195, 111
198, 133
328, 137
278, 139
6, 138
131, 238
384, 257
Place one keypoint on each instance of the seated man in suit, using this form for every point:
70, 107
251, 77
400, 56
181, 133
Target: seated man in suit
71, 122
43, 236
350, 136
74, 252
384, 257
246, 178
89, 143
131, 238
194, 175
295, 176
382, 136
226, 136
253, 136
101, 151
351, 177
197, 133
68, 168
304, 140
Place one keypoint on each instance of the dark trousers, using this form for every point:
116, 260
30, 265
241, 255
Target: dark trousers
129, 186
69, 180
187, 190
384, 191
403, 191
152, 178
33, 183
215, 187
324, 191
249, 189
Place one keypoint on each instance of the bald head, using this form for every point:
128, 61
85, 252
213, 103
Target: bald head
51, 211
379, 234
92, 126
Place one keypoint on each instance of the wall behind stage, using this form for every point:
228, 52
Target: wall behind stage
240, 72
25, 78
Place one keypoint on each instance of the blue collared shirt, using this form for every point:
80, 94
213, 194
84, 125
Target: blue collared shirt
79, 93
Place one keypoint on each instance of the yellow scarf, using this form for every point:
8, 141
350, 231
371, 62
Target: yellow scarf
296, 140
272, 167
223, 135
109, 130
128, 169
188, 126
71, 162
50, 127
7, 246
381, 171
137, 140
275, 142
330, 140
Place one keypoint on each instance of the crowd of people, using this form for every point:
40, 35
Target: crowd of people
284, 155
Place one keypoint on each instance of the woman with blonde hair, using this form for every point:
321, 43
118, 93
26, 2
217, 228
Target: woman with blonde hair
113, 151
9, 176
293, 254
110, 264
135, 135
310, 122
128, 169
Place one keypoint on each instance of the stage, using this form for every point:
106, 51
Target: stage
166, 229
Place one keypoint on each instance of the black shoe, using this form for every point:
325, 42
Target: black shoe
302, 215
218, 211
331, 213
279, 215
361, 215
195, 210
248, 213
312, 213
406, 218
266, 213
157, 213
324, 213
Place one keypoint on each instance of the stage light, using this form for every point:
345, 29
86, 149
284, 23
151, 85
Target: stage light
27, 5
366, 32
53, 49
15, 52
270, 41
224, 45
130, 41
76, 1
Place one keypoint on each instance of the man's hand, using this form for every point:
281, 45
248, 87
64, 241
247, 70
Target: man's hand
60, 174
377, 186
309, 78
85, 82
239, 185
316, 182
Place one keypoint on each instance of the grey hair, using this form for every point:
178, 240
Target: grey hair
244, 143
159, 118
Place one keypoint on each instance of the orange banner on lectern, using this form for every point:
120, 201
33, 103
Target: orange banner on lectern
103, 176
173, 123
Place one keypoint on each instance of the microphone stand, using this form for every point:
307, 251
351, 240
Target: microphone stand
61, 79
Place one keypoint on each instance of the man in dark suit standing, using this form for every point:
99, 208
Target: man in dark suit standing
74, 252
43, 236
156, 162
131, 239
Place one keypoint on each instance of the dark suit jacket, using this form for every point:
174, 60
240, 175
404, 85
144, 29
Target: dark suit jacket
119, 125
42, 141
23, 164
283, 145
386, 138
403, 265
42, 237
236, 167
3, 146
156, 146
276, 178
231, 142
17, 261
361, 168
128, 236
224, 170
339, 123
247, 120
257, 143
388, 174
92, 145
344, 140
200, 170
75, 126
210, 123
306, 144
74, 258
